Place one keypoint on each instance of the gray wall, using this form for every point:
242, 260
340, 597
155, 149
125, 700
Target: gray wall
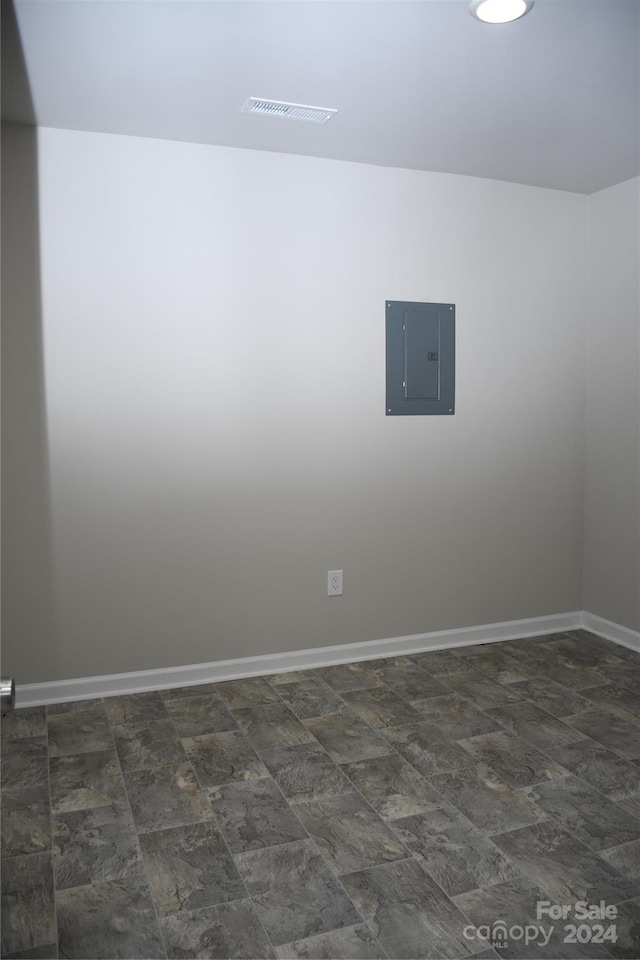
27, 568
214, 365
612, 487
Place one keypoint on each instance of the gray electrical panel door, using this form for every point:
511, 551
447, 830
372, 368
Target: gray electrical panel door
420, 358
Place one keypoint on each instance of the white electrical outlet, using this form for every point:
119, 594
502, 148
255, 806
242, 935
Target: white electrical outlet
334, 583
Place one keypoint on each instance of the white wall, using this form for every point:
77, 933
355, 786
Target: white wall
612, 487
214, 358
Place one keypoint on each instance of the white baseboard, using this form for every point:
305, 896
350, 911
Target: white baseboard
61, 691
611, 631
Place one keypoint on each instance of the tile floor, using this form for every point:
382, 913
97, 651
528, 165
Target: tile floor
390, 808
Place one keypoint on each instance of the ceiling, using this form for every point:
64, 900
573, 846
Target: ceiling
552, 100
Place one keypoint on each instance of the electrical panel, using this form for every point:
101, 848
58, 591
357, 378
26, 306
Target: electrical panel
420, 358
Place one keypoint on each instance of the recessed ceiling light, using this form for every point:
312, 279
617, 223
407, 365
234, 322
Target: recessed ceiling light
499, 11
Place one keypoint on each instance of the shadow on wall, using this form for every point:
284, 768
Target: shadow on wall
27, 580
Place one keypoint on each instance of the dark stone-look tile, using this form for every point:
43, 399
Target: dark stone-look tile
311, 698
26, 821
570, 673
91, 846
455, 716
24, 722
28, 912
479, 688
190, 867
79, 731
194, 716
498, 665
438, 661
628, 930
151, 744
271, 725
489, 802
85, 780
551, 944
48, 951
518, 763
585, 665
566, 869
94, 706
588, 638
589, 815
590, 650
617, 650
528, 648
306, 899
24, 763
427, 748
135, 708
305, 772
604, 770
166, 797
292, 676
349, 834
393, 787
484, 955
254, 814
381, 707
609, 729
514, 903
617, 699
408, 912
625, 672
114, 920
217, 933
194, 690
631, 804
356, 943
347, 738
534, 725
222, 757
551, 696
238, 694
454, 852
625, 858
407, 679
350, 676
575, 674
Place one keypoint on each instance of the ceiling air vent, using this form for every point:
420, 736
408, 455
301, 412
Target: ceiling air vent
289, 111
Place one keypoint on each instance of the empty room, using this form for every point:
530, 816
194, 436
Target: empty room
320, 479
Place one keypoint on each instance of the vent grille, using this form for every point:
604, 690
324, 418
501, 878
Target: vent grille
288, 111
